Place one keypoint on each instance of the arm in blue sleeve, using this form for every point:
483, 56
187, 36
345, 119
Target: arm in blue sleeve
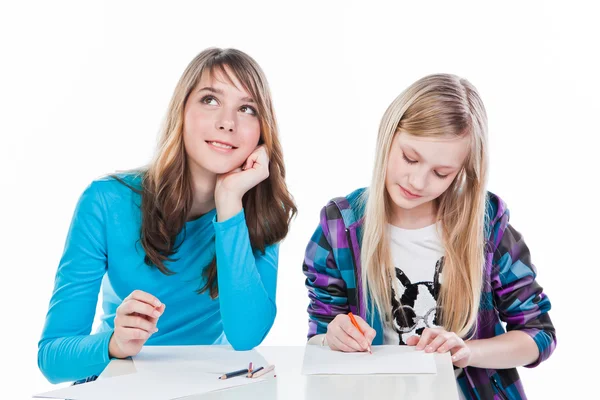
247, 282
66, 350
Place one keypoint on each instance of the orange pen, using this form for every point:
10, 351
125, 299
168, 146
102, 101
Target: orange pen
355, 323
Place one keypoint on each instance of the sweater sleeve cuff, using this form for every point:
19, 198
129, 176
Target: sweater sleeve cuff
103, 345
231, 222
544, 342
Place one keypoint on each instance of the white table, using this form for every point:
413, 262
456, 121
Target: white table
289, 383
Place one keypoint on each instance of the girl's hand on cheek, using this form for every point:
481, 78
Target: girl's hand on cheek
232, 186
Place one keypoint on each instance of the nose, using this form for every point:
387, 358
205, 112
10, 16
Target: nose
225, 123
417, 180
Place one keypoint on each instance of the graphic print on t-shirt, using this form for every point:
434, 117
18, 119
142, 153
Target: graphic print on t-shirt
419, 304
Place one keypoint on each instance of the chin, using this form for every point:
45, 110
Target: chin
406, 204
221, 169
213, 166
403, 203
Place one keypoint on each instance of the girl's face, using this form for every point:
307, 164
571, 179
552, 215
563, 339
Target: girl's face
420, 169
221, 127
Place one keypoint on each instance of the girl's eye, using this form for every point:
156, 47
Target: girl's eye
210, 100
408, 160
248, 110
441, 176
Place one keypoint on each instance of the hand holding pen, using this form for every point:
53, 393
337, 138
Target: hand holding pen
345, 335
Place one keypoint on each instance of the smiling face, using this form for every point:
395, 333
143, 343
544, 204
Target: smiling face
420, 169
221, 126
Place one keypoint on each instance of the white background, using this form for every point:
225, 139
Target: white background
85, 85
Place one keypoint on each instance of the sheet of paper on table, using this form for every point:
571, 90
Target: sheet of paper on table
147, 386
384, 360
169, 372
212, 359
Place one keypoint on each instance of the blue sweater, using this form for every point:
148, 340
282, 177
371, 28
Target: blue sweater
102, 250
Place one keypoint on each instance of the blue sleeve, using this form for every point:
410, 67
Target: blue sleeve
66, 350
247, 282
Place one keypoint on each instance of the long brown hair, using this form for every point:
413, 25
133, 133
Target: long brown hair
434, 106
167, 193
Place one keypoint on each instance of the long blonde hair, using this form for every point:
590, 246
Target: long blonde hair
435, 105
167, 193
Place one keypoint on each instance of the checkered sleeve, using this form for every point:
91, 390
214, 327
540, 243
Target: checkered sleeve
327, 290
520, 300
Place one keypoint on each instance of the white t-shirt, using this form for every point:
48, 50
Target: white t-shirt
418, 257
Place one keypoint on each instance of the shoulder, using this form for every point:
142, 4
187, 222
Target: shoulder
114, 190
118, 183
347, 209
496, 218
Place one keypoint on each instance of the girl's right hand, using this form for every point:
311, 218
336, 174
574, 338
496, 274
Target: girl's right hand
342, 335
135, 322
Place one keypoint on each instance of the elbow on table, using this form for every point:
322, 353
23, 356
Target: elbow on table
44, 367
244, 341
244, 344
247, 339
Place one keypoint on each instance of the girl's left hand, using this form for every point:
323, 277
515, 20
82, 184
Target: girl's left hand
232, 186
240, 180
441, 341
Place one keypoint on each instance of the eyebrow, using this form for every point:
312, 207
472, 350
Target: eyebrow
420, 156
219, 91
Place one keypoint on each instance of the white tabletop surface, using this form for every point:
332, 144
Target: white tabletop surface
289, 383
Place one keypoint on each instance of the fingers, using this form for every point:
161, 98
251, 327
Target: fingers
412, 341
135, 306
358, 342
369, 332
338, 337
427, 336
436, 339
451, 343
248, 164
144, 298
130, 321
161, 310
123, 333
336, 343
258, 157
441, 340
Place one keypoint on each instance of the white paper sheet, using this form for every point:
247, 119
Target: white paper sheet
212, 359
148, 386
384, 360
168, 372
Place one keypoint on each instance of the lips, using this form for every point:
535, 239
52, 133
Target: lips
221, 145
409, 194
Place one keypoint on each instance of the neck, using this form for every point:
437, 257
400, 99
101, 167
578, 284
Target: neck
203, 186
414, 218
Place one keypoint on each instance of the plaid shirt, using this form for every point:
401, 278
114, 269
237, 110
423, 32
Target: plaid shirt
510, 293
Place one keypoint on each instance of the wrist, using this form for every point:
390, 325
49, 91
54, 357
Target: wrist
113, 349
228, 207
223, 195
475, 351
